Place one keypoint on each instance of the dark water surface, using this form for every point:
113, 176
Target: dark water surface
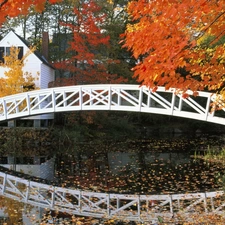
156, 165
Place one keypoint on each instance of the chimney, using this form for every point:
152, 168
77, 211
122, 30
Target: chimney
45, 42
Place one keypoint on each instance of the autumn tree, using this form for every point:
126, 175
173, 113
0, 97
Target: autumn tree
20, 7
116, 21
116, 60
29, 15
167, 38
62, 13
15, 80
86, 60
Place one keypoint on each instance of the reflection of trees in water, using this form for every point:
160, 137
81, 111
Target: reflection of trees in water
166, 177
14, 209
137, 169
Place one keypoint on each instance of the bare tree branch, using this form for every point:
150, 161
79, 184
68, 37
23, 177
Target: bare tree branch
221, 14
3, 3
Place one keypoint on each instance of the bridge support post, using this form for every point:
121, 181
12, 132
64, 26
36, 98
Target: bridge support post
12, 123
37, 123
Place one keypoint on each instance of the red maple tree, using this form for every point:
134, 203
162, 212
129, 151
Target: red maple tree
178, 43
87, 62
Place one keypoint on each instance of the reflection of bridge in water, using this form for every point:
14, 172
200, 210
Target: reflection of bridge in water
109, 205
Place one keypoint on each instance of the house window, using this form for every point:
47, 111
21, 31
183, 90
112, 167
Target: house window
6, 51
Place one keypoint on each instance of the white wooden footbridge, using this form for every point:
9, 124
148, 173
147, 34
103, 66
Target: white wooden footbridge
109, 205
110, 97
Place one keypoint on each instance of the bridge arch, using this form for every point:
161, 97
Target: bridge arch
118, 97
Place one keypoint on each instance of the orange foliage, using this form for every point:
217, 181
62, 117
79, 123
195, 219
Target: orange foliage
13, 8
166, 37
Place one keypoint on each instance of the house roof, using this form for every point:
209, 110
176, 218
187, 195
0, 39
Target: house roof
38, 54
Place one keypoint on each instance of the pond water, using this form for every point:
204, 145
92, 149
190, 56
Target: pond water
151, 166
156, 165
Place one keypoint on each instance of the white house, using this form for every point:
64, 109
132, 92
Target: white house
36, 64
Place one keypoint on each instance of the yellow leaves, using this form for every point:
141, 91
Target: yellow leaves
16, 80
110, 1
155, 77
135, 27
13, 209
